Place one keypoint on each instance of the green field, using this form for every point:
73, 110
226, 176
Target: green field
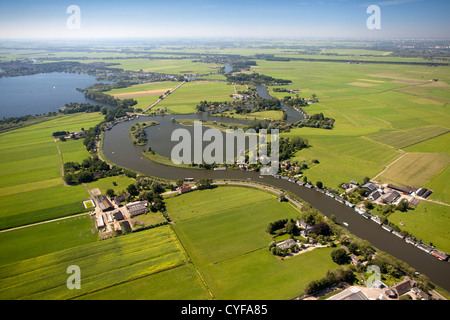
31, 187
415, 169
103, 264
428, 221
46, 238
170, 66
188, 96
223, 231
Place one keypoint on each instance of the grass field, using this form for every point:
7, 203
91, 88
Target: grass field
188, 96
415, 169
428, 221
45, 238
31, 185
170, 66
223, 231
102, 264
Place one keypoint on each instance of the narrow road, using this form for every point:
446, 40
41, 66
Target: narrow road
165, 95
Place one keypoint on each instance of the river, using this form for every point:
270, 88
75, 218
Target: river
118, 148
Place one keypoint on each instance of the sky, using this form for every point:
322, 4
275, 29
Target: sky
44, 19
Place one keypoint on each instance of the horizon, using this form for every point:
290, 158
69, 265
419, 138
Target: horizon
203, 19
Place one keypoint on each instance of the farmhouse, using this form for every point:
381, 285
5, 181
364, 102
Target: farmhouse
349, 294
375, 195
184, 188
286, 244
403, 287
137, 208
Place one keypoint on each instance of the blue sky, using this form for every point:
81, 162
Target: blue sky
225, 18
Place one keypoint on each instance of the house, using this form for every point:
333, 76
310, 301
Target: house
104, 204
137, 208
403, 286
355, 259
391, 197
303, 225
118, 215
184, 188
286, 244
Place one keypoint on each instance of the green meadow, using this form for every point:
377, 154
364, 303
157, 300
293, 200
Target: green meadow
188, 96
31, 187
428, 221
102, 264
46, 238
223, 231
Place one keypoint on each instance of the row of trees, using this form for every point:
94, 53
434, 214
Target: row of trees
317, 120
89, 169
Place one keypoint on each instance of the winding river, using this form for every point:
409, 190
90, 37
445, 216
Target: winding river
117, 147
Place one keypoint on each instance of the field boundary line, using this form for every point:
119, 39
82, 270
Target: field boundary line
165, 95
389, 165
190, 260
42, 222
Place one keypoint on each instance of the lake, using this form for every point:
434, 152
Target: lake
41, 93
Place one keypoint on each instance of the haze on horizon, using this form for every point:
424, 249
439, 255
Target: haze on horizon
24, 19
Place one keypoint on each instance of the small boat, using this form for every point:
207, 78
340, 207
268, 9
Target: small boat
345, 224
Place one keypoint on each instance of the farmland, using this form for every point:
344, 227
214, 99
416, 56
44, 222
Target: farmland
187, 97
141, 254
235, 262
32, 188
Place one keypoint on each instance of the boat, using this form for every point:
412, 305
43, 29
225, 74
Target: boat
345, 224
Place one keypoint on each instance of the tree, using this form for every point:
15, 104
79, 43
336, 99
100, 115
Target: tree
132, 190
319, 184
339, 256
403, 205
110, 193
321, 229
291, 228
204, 183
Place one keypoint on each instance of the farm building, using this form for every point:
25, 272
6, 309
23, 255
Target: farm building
99, 222
391, 197
375, 195
104, 204
349, 294
370, 186
137, 208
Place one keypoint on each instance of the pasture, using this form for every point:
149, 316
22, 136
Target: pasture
102, 264
429, 222
187, 97
415, 169
223, 231
31, 184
